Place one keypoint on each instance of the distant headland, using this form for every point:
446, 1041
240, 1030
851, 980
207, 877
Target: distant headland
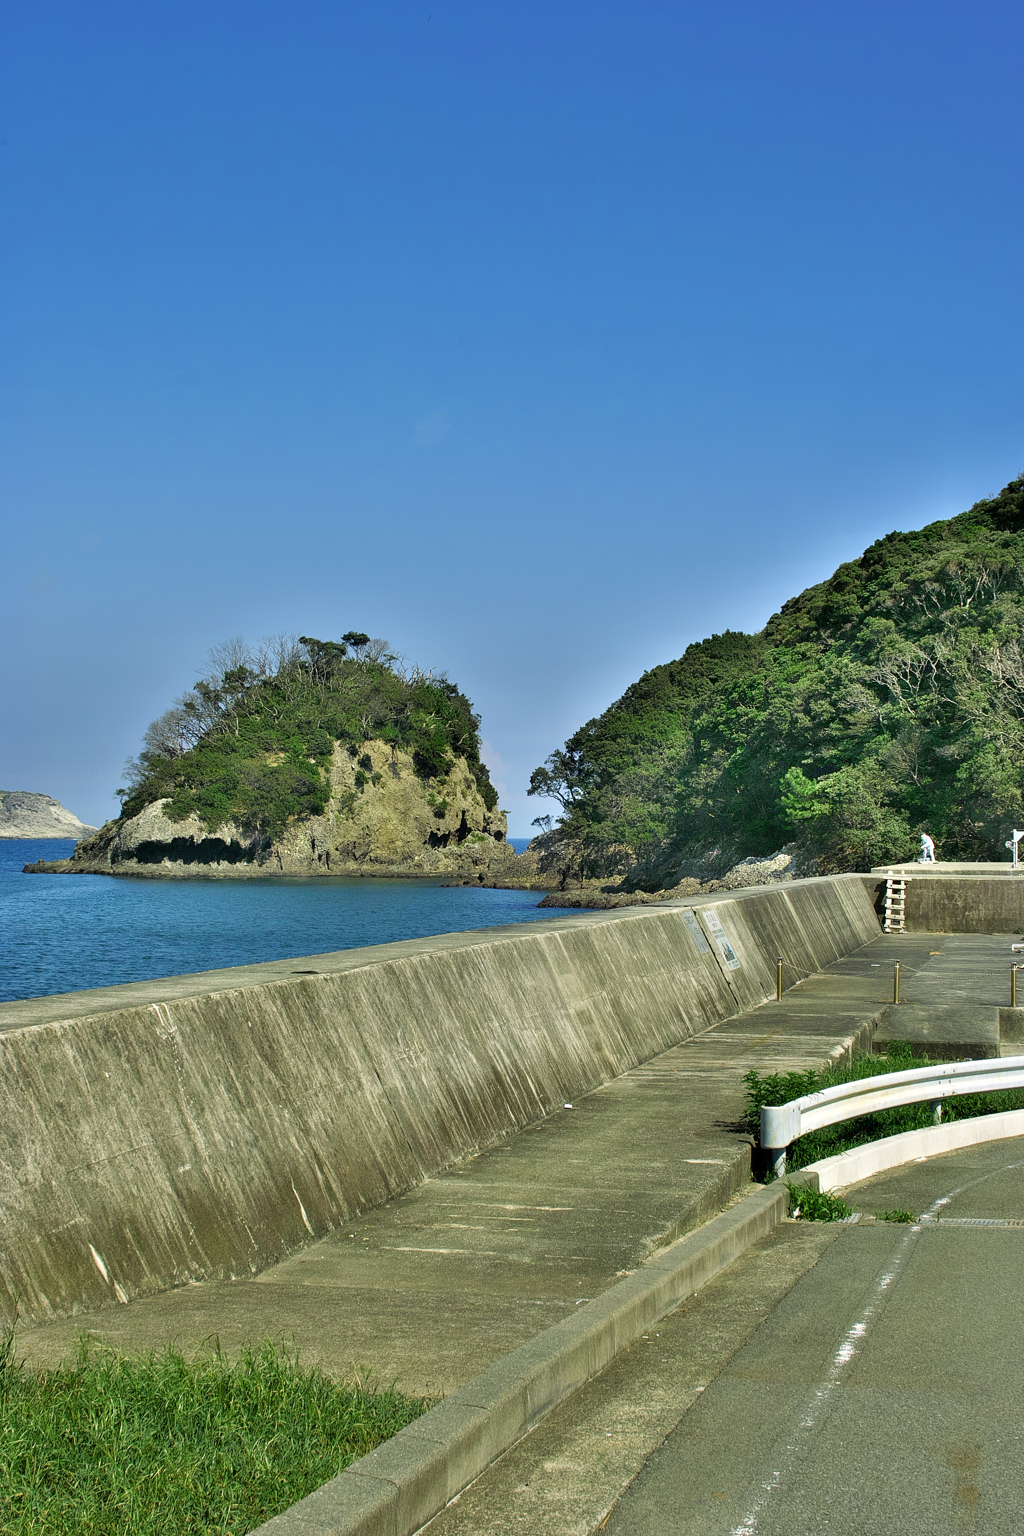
24, 814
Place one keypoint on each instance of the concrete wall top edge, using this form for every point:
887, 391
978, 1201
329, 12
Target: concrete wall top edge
64, 1007
942, 870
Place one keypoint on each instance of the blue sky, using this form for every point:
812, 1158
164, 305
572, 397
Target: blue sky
540, 339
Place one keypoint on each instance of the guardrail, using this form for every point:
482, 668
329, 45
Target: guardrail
782, 1124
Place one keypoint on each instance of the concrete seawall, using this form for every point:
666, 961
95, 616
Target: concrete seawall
204, 1126
948, 903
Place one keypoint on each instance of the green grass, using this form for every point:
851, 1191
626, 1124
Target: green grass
895, 1215
808, 1204
175, 1446
780, 1087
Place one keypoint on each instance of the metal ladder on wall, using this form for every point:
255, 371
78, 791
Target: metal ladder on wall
895, 904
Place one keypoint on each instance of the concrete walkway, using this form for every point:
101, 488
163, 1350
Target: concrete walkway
730, 1418
432, 1288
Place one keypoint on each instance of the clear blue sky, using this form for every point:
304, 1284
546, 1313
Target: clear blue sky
541, 339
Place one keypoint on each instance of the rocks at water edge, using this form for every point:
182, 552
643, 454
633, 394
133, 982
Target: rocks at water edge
381, 820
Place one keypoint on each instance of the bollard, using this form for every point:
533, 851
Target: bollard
1013, 986
896, 982
778, 979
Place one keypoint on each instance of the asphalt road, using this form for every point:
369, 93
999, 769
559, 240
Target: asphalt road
883, 1392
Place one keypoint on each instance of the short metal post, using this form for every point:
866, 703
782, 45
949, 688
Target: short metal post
778, 979
778, 1156
937, 1111
896, 982
1013, 986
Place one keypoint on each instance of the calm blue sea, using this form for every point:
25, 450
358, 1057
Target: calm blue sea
59, 933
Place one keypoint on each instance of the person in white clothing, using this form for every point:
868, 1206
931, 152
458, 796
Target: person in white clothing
927, 849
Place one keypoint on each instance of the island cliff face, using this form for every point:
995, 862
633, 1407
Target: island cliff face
24, 814
379, 820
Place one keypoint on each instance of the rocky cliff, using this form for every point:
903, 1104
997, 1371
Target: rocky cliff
27, 815
381, 818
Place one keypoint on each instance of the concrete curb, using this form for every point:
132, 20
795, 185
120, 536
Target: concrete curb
913, 1146
397, 1488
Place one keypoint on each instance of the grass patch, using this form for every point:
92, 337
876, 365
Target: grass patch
162, 1445
896, 1215
780, 1087
808, 1204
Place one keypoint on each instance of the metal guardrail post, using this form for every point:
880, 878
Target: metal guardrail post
778, 979
779, 1127
1013, 985
896, 982
936, 1109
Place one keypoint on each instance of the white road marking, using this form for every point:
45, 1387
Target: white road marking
818, 1404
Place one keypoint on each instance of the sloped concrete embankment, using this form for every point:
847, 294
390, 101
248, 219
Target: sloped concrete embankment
209, 1134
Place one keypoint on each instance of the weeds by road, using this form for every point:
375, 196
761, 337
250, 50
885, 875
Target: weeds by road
808, 1204
162, 1445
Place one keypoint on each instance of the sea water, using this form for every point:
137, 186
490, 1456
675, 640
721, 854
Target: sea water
61, 933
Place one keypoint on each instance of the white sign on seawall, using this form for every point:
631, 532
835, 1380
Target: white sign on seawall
717, 932
697, 932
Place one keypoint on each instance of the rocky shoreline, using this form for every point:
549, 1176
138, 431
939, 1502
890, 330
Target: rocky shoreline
602, 895
382, 820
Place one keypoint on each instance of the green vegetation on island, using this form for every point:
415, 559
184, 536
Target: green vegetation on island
886, 701
251, 743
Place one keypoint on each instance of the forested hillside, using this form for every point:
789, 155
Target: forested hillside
887, 701
251, 744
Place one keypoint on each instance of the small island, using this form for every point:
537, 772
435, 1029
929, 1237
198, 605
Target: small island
307, 757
